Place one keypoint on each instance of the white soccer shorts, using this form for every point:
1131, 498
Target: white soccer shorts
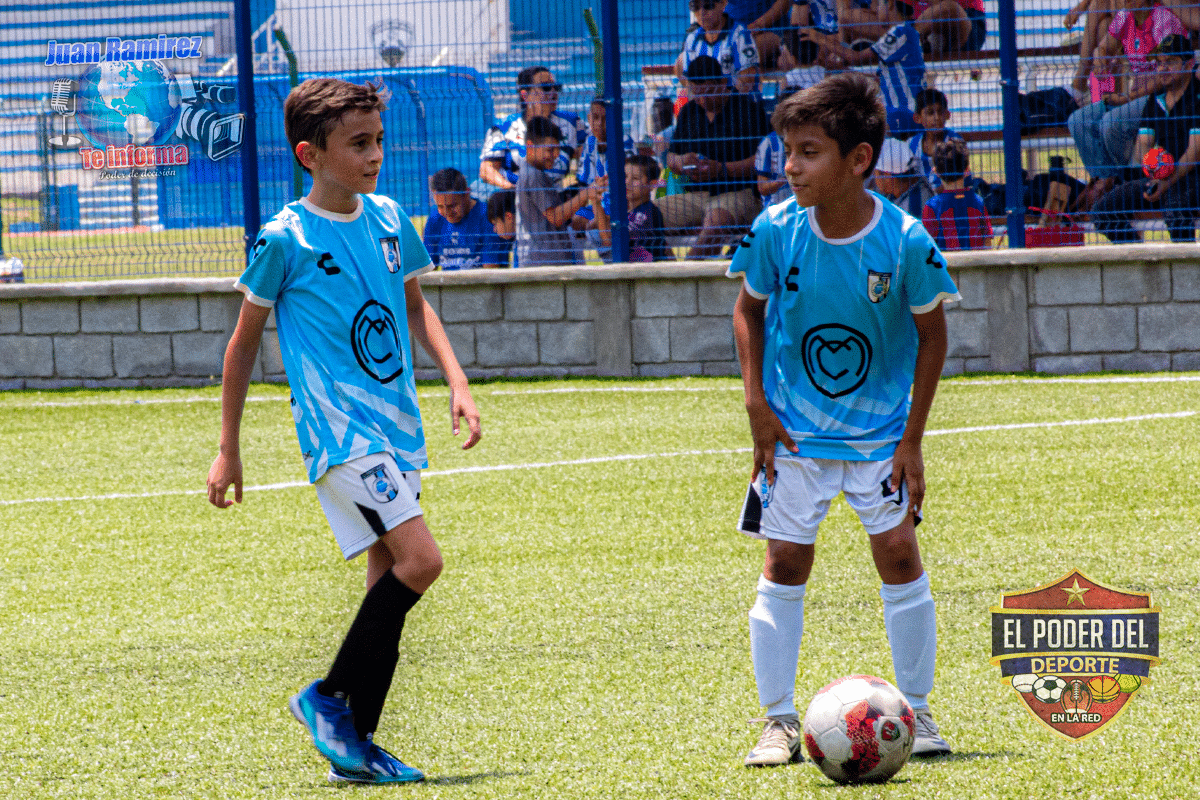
793, 508
366, 497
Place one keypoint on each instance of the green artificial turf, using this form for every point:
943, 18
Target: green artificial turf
588, 638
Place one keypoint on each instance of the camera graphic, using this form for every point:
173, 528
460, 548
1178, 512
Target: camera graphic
218, 133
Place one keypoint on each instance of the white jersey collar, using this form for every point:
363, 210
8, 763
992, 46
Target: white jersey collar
333, 215
870, 226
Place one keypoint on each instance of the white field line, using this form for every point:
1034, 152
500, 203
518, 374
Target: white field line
483, 392
597, 460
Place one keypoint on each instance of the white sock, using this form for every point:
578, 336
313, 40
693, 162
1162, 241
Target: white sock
911, 623
776, 626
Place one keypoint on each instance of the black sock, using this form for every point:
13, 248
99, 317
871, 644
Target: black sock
370, 650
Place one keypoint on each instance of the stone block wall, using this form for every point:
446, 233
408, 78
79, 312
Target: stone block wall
1130, 308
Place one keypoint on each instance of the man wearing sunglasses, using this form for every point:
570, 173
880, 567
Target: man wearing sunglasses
720, 37
504, 145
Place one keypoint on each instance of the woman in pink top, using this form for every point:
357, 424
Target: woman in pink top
1105, 131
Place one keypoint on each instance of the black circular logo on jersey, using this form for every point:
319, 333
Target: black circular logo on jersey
836, 359
376, 342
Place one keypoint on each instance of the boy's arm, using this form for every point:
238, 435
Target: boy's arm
560, 215
765, 428
490, 171
908, 465
427, 329
226, 469
603, 223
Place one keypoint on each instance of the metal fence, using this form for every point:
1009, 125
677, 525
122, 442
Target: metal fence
145, 138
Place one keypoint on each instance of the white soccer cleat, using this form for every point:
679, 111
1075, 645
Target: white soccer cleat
779, 743
928, 741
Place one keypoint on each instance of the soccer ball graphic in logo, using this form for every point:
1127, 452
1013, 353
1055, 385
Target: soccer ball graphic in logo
1049, 688
1158, 163
859, 729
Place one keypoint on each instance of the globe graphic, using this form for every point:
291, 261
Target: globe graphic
128, 102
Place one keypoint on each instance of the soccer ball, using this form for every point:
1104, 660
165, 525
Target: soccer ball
1049, 688
859, 729
1158, 163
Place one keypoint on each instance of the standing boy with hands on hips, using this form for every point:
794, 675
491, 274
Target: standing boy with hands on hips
839, 316
339, 268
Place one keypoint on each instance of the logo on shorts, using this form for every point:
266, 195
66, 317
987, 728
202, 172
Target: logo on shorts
380, 485
878, 284
1075, 651
836, 359
390, 245
376, 342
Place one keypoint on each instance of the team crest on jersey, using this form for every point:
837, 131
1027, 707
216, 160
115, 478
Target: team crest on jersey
390, 245
836, 358
380, 485
878, 284
375, 340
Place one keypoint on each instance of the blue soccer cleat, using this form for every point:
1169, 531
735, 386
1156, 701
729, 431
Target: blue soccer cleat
382, 767
331, 723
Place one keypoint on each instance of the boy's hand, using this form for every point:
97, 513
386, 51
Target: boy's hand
767, 431
908, 465
1154, 191
223, 472
463, 405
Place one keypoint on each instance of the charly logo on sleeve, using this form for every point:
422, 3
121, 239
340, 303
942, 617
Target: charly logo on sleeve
376, 342
1075, 651
836, 358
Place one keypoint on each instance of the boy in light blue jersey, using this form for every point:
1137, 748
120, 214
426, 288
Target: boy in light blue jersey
339, 268
841, 339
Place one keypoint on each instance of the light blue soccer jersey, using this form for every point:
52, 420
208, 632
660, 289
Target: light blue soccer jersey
336, 282
840, 342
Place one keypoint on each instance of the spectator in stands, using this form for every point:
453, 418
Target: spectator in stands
504, 145
593, 162
956, 217
502, 213
1105, 131
896, 178
646, 238
544, 210
766, 20
457, 234
932, 113
730, 43
951, 25
900, 64
1097, 15
1169, 121
769, 162
716, 136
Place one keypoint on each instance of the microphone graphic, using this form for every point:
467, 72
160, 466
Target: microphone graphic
62, 102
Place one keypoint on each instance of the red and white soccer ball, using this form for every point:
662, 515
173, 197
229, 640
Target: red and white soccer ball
1158, 163
859, 729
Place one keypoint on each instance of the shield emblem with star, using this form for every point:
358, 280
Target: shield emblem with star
1075, 650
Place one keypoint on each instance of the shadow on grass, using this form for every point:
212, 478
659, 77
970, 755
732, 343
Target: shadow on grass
467, 780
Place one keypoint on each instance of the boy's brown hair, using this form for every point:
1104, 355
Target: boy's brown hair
313, 108
950, 159
847, 106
